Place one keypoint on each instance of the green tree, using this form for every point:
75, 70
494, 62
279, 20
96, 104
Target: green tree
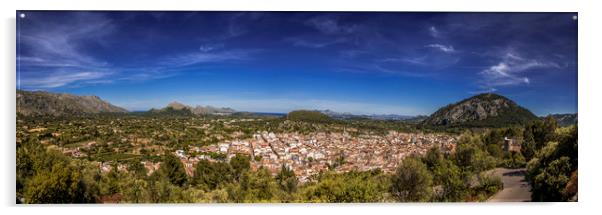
495, 136
412, 182
240, 164
136, 191
162, 190
543, 131
287, 180
110, 182
514, 160
433, 158
528, 146
550, 171
210, 175
451, 178
549, 184
495, 150
137, 168
64, 183
173, 170
254, 186
369, 186
471, 158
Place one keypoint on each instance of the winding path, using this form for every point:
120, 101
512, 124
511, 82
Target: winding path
516, 188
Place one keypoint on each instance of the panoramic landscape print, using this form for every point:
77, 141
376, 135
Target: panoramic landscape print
295, 107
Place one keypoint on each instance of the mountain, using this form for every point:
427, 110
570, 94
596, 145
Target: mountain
483, 110
565, 119
57, 104
176, 108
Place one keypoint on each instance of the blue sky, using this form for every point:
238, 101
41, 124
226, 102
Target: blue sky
363, 62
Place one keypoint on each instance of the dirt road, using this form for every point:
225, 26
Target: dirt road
516, 188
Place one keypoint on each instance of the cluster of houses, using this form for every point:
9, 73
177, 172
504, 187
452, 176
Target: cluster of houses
307, 155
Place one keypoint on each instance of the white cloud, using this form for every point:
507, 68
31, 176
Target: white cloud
434, 32
421, 60
238, 23
59, 79
54, 56
205, 57
330, 25
443, 48
211, 47
58, 45
511, 70
367, 68
300, 42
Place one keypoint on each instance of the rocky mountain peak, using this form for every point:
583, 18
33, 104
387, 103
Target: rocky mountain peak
486, 109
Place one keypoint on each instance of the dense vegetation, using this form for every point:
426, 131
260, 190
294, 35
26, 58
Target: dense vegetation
552, 171
308, 116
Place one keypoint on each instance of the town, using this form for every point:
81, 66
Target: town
112, 142
307, 155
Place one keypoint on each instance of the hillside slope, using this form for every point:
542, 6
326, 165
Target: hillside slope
57, 104
483, 110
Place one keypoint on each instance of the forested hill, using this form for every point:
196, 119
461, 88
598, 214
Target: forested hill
309, 116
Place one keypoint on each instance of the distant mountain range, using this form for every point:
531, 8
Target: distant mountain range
182, 109
565, 119
58, 104
483, 110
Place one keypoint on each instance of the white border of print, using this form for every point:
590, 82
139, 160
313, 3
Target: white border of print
589, 105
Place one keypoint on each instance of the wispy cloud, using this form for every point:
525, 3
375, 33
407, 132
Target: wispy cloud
434, 32
302, 42
59, 79
238, 23
51, 56
512, 70
379, 68
194, 58
211, 47
421, 60
57, 55
443, 48
330, 25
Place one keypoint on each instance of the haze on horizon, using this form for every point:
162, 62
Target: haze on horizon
363, 63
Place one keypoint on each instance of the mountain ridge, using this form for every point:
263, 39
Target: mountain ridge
565, 119
58, 104
180, 108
